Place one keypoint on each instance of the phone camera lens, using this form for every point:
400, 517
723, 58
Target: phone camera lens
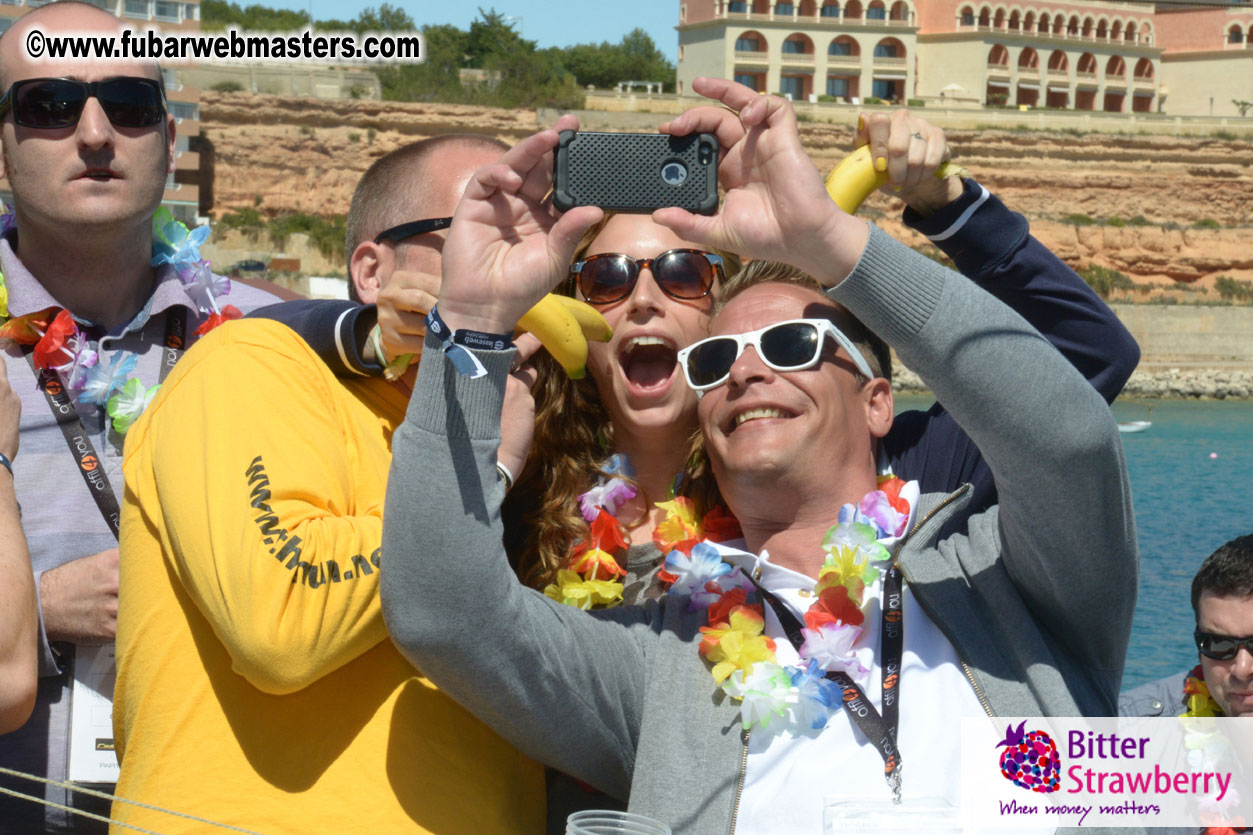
674, 173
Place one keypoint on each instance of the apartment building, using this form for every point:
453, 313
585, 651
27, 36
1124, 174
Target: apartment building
1105, 55
182, 195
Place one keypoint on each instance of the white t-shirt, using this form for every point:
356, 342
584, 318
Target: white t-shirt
790, 777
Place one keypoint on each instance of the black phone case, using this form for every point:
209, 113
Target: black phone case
623, 172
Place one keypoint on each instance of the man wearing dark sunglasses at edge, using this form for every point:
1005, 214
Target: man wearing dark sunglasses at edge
1221, 684
87, 147
257, 687
705, 730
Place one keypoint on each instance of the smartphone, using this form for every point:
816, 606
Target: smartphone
636, 172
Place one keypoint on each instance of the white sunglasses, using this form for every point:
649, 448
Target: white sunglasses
784, 346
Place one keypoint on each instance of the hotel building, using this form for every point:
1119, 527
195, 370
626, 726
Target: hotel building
1103, 55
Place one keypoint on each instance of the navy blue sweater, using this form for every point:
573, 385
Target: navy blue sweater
988, 243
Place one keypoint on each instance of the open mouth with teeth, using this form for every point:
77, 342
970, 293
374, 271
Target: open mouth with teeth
648, 362
760, 413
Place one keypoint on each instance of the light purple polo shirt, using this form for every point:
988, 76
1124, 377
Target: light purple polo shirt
59, 515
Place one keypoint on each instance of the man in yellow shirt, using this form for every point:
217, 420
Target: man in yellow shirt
256, 683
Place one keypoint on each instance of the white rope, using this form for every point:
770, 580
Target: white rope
75, 787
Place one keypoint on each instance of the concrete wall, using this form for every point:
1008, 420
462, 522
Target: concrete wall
1190, 335
287, 80
602, 104
1205, 84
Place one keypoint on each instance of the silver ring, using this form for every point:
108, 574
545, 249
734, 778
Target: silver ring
919, 136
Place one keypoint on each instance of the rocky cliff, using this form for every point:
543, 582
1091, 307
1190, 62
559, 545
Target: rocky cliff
306, 155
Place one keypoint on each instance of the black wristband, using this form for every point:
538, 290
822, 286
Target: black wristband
456, 343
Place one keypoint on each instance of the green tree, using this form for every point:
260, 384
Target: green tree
216, 15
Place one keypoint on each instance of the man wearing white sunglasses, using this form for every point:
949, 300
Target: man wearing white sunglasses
839, 641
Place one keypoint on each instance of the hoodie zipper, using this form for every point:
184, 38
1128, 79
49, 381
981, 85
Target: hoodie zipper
983, 702
739, 786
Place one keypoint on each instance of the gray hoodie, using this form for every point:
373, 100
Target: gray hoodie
1036, 599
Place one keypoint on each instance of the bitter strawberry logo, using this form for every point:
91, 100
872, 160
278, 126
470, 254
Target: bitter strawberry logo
1030, 759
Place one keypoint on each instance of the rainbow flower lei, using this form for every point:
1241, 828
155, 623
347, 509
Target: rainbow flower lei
593, 576
1197, 696
742, 658
62, 347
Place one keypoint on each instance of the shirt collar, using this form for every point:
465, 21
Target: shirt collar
772, 577
28, 295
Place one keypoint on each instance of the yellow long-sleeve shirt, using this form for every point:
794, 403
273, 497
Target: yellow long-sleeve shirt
256, 684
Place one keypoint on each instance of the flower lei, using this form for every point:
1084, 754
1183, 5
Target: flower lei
1197, 697
744, 664
61, 347
592, 578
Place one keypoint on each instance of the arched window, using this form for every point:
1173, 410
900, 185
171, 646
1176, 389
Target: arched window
1028, 22
1115, 67
998, 56
1015, 21
1044, 23
844, 46
1129, 32
1234, 35
852, 9
750, 42
998, 21
900, 11
1102, 30
967, 16
1146, 32
1115, 31
1087, 64
1028, 59
1144, 69
798, 45
889, 48
1072, 28
830, 10
876, 11
1057, 60
985, 17
1088, 27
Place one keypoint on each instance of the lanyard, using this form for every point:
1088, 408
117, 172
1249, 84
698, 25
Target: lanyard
90, 466
880, 729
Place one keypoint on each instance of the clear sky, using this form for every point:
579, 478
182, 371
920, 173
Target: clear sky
548, 23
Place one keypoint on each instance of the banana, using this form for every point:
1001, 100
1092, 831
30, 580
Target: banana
590, 321
563, 325
855, 178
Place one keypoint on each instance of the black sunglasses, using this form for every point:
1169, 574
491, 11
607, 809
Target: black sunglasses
49, 103
610, 277
1220, 647
412, 228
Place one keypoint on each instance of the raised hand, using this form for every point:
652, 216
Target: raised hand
776, 206
507, 246
911, 150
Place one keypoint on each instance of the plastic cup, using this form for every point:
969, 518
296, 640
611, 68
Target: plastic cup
598, 822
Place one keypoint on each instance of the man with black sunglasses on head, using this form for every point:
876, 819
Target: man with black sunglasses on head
251, 551
87, 147
1221, 684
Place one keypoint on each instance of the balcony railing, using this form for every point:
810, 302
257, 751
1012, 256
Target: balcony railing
1119, 81
816, 19
843, 60
998, 69
887, 62
1143, 81
798, 59
1063, 36
742, 57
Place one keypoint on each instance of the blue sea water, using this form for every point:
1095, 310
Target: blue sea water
1192, 485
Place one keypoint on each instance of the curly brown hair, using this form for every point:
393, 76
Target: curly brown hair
573, 438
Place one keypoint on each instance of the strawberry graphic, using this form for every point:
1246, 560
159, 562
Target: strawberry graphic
1030, 760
